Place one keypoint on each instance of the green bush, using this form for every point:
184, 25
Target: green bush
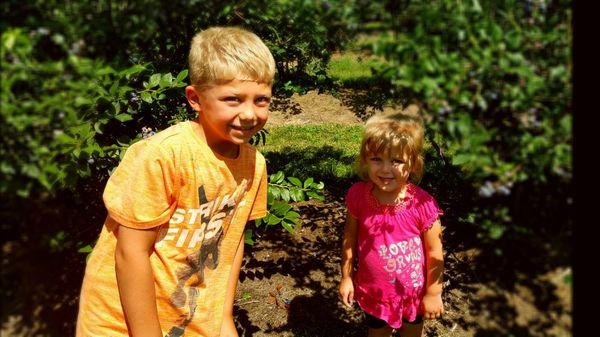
495, 79
301, 34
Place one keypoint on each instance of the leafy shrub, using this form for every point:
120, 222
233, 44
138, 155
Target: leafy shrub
301, 34
495, 77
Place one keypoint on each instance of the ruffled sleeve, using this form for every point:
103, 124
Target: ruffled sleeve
142, 192
353, 199
428, 210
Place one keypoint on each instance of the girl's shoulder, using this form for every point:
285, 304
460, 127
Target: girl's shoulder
420, 195
357, 189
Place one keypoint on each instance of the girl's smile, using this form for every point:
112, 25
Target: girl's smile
389, 172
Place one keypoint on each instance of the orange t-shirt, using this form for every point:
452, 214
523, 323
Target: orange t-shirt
201, 201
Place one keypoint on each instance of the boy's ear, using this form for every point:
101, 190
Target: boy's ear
193, 97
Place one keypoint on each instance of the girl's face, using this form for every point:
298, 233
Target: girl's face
388, 170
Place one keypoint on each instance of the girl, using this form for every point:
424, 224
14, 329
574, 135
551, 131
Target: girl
392, 232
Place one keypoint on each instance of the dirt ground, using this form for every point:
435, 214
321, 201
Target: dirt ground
288, 284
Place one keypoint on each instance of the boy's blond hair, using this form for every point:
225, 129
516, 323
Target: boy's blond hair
401, 132
221, 54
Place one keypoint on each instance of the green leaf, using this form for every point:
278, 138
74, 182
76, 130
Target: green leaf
258, 222
285, 194
248, 237
295, 181
146, 97
154, 80
318, 186
113, 88
291, 215
275, 192
308, 182
123, 117
297, 194
273, 220
315, 195
460, 159
166, 80
182, 75
288, 226
85, 249
280, 208
132, 70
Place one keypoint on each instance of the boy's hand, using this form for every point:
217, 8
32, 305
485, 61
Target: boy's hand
347, 291
433, 307
228, 328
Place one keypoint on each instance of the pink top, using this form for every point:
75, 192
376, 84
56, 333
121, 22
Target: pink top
390, 280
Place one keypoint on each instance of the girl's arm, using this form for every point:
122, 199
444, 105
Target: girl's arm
228, 326
434, 261
348, 257
136, 281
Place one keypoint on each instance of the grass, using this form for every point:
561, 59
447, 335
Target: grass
325, 152
351, 68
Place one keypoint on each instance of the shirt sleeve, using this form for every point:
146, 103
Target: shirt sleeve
141, 192
352, 200
259, 208
428, 212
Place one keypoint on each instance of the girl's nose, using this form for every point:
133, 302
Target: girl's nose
387, 166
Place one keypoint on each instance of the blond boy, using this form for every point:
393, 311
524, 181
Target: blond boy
170, 251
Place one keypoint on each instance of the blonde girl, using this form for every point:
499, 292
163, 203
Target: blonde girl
392, 259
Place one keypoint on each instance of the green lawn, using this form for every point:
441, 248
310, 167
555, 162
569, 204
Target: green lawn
351, 68
325, 152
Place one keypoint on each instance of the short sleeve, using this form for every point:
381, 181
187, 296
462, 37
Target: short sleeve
141, 192
259, 207
353, 199
428, 212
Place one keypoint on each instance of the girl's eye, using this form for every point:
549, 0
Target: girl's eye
375, 159
397, 162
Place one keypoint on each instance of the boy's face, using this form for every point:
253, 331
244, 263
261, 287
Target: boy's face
231, 113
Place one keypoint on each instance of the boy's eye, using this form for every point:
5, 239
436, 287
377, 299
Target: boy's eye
375, 159
264, 100
232, 99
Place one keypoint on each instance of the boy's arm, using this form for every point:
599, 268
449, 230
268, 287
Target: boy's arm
434, 261
348, 256
228, 326
136, 281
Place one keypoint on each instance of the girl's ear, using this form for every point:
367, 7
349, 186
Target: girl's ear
193, 97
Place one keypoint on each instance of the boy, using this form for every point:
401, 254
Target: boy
169, 254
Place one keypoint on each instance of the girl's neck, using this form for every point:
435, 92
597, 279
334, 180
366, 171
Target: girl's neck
390, 197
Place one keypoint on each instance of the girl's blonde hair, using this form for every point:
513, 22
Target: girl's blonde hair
400, 132
221, 54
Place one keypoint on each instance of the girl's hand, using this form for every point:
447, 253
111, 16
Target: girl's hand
433, 307
347, 291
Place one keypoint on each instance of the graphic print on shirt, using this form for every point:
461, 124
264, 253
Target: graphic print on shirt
211, 221
404, 258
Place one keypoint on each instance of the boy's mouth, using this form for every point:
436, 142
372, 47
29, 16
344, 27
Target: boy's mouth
243, 128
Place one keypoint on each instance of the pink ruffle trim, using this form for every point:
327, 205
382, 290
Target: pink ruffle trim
390, 310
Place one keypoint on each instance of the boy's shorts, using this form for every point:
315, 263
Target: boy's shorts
375, 323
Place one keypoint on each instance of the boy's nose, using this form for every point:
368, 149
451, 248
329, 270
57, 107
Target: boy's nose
247, 113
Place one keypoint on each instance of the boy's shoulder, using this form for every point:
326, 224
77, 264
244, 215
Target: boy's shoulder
169, 136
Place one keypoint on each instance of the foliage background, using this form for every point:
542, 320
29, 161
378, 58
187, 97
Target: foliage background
81, 81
